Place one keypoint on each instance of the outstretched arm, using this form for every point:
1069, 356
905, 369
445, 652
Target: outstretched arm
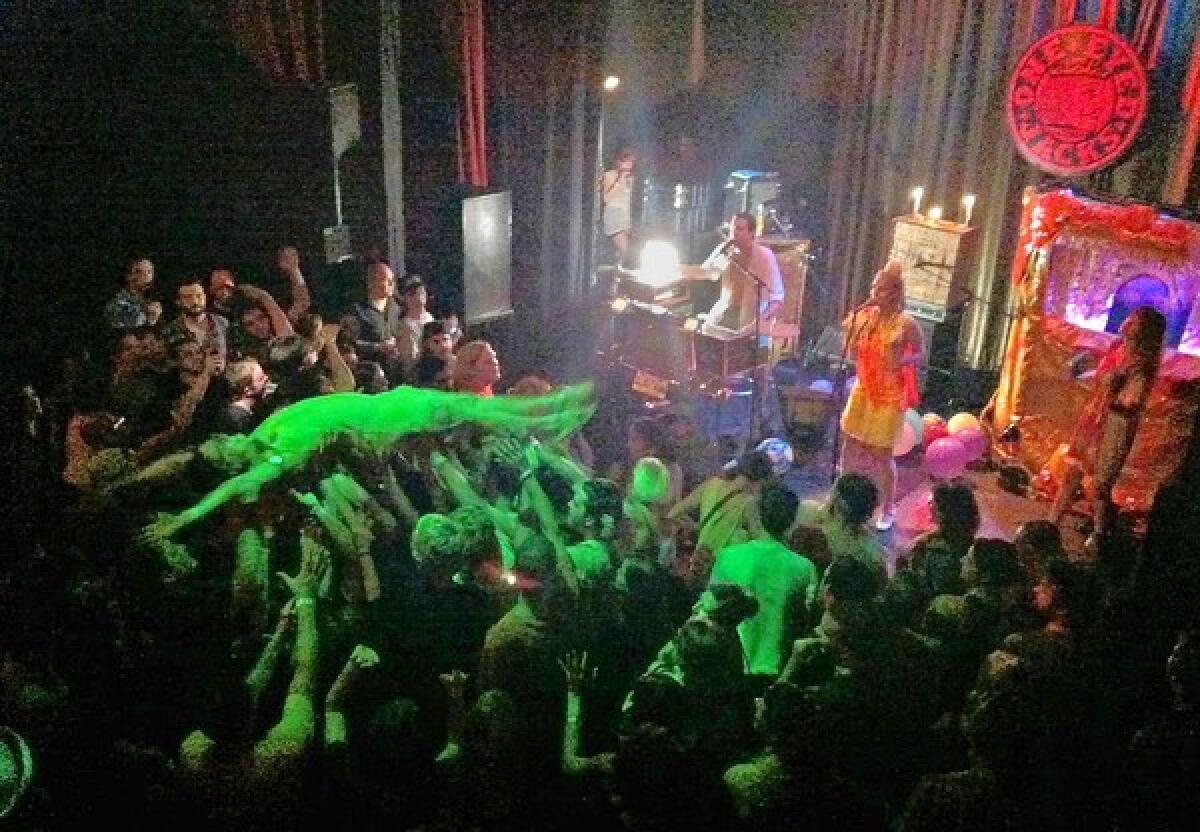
576, 669
292, 736
244, 487
336, 735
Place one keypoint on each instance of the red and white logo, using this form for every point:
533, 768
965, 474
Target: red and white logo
1077, 100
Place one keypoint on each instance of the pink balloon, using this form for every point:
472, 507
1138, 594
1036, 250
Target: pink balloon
974, 440
946, 458
934, 432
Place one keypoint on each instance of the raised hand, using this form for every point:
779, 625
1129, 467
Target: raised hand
575, 667
363, 657
314, 566
455, 684
505, 449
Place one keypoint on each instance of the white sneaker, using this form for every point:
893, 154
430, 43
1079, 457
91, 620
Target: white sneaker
886, 521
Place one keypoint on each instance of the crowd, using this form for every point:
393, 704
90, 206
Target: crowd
286, 573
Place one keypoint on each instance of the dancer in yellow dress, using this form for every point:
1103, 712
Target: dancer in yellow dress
883, 341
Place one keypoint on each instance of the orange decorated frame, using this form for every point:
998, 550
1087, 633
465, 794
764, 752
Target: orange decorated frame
1073, 255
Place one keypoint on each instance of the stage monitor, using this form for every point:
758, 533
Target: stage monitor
487, 256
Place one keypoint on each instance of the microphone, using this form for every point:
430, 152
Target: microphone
727, 246
867, 304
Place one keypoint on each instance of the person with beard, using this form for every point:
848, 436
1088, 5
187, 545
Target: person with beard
196, 326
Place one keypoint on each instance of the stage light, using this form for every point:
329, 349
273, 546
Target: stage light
611, 83
935, 213
510, 579
619, 304
660, 263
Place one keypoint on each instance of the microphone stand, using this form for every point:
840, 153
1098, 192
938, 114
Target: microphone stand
755, 405
839, 389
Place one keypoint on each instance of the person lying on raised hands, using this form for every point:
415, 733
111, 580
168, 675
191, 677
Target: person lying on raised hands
284, 443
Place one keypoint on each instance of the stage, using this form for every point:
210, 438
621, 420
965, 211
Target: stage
1001, 513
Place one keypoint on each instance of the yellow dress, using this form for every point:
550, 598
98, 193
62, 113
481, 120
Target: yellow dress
874, 413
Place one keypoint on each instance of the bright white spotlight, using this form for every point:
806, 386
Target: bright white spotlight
660, 263
611, 83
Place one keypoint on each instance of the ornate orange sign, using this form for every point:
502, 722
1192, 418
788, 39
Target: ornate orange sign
1077, 100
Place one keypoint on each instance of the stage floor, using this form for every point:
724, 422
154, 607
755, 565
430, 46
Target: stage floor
1001, 513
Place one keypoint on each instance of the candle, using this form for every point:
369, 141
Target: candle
918, 193
935, 213
968, 203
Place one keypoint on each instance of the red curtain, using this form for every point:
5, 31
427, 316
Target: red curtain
472, 115
1148, 31
285, 38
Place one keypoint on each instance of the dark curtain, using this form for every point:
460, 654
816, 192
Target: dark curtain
544, 62
284, 38
923, 96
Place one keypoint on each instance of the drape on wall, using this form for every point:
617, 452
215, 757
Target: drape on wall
466, 22
545, 60
924, 88
285, 38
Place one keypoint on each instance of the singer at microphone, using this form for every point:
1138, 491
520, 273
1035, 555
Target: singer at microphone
741, 263
886, 346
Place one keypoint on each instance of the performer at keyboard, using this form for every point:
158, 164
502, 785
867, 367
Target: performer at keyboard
738, 263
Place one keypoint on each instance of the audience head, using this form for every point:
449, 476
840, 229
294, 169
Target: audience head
246, 379
476, 367
650, 483
854, 499
991, 562
1038, 543
289, 355
493, 729
255, 322
755, 466
369, 377
658, 699
777, 509
595, 508
438, 547
955, 510
478, 534
191, 300
221, 285
413, 295
381, 283
139, 275
849, 580
453, 328
436, 341
731, 605
531, 385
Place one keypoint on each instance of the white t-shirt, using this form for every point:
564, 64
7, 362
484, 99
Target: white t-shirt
734, 308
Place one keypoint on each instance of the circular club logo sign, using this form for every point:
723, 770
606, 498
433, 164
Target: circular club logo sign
1077, 100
